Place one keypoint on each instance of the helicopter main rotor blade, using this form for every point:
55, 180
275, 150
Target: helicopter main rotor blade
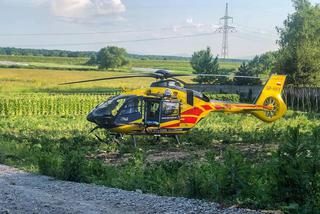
223, 75
208, 75
216, 75
160, 74
213, 75
110, 78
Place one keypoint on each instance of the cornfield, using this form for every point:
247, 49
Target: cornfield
46, 104
62, 104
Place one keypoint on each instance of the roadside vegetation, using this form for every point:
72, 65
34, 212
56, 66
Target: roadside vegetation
231, 159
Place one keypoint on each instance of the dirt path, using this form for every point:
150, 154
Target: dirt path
22, 192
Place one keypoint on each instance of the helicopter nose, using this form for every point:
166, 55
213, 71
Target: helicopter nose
90, 117
100, 120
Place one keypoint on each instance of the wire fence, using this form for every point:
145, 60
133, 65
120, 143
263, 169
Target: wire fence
306, 99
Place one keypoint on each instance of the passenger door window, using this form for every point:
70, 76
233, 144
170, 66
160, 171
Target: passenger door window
170, 110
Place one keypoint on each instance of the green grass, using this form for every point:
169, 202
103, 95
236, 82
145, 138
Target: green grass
61, 146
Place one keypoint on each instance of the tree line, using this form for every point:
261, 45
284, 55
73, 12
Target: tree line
43, 52
11, 51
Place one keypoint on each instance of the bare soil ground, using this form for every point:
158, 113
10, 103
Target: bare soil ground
163, 153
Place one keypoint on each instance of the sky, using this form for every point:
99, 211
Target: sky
158, 27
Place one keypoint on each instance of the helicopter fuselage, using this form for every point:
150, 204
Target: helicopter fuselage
166, 108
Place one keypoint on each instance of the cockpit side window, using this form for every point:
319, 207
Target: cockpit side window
130, 111
117, 105
132, 106
110, 107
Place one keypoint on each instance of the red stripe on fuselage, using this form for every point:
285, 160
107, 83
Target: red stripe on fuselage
194, 111
207, 107
218, 107
191, 120
172, 125
251, 106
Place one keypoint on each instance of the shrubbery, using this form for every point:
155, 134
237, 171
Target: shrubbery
287, 179
224, 97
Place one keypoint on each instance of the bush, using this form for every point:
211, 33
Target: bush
224, 97
74, 166
198, 136
296, 173
288, 179
50, 164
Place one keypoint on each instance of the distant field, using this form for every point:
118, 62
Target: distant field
45, 73
175, 65
58, 66
35, 80
69, 63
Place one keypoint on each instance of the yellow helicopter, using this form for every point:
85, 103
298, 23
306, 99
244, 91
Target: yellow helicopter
169, 109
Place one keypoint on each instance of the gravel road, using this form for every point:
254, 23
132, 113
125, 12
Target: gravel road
22, 192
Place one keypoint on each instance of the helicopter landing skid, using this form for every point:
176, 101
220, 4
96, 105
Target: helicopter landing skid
120, 137
108, 140
158, 138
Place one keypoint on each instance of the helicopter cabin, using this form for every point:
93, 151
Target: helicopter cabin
145, 111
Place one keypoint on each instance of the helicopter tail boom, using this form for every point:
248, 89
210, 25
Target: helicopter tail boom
268, 107
270, 96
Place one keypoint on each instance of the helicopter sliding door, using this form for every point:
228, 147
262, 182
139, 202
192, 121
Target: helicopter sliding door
162, 113
152, 112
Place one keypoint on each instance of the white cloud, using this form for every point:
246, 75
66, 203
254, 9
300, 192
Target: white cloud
194, 24
214, 26
189, 20
83, 9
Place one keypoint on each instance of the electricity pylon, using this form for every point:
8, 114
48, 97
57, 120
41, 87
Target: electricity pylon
225, 29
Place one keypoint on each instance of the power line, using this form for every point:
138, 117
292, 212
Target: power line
122, 41
95, 33
247, 29
257, 30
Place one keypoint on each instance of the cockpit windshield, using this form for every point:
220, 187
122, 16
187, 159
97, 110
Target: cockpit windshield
111, 106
